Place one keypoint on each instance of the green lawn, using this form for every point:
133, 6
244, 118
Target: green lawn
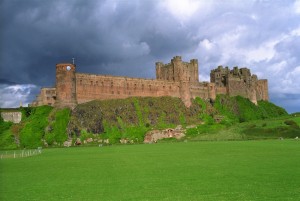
225, 170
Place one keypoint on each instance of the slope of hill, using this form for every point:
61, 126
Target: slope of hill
131, 118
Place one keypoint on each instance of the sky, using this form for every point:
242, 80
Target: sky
127, 37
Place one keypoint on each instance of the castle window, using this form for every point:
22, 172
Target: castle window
97, 83
163, 87
80, 82
112, 84
118, 92
112, 92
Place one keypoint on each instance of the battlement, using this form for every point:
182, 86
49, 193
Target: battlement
176, 58
177, 79
239, 82
178, 70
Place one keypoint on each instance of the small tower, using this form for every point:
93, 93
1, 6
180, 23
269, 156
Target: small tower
159, 66
65, 85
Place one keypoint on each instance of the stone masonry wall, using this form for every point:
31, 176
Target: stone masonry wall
14, 117
176, 79
101, 87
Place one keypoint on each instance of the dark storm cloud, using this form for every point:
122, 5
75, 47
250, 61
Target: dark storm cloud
38, 34
127, 37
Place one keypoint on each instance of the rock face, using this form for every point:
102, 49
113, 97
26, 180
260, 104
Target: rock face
78, 141
67, 143
154, 135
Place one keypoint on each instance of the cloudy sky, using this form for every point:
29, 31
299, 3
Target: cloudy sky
127, 37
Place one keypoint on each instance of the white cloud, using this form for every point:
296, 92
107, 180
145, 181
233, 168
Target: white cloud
206, 44
297, 6
185, 9
14, 95
265, 51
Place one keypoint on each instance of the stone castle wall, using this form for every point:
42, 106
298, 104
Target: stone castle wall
101, 87
14, 117
47, 96
176, 79
178, 70
239, 82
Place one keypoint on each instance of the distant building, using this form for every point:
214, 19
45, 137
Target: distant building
176, 79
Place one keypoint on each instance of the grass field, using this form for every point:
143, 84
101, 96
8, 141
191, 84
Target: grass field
225, 170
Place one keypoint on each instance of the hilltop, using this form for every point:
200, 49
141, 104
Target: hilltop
227, 118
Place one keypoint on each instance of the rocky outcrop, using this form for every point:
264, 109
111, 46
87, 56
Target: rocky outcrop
155, 135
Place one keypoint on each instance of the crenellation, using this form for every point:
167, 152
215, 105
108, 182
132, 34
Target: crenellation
239, 82
176, 79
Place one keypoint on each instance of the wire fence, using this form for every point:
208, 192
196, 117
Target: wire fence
20, 153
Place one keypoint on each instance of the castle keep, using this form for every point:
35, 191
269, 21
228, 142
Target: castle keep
176, 79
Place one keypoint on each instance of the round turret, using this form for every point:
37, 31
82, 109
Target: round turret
65, 85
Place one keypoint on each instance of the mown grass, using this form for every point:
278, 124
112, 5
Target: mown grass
227, 170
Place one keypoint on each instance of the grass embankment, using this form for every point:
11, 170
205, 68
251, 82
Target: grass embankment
273, 128
227, 170
131, 118
38, 125
243, 120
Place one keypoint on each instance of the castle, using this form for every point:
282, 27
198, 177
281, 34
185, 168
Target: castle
176, 79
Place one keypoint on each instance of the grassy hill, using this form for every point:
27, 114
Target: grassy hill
131, 118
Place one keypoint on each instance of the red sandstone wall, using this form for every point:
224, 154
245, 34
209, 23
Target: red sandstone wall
221, 90
90, 87
65, 85
237, 87
203, 90
262, 92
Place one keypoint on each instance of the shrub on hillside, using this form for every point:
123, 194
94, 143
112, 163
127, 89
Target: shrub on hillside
291, 123
34, 128
240, 109
131, 113
57, 128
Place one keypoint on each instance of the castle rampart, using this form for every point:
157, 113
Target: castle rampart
176, 79
90, 87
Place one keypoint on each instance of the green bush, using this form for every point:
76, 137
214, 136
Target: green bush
4, 125
146, 112
270, 110
204, 129
34, 128
7, 140
260, 133
240, 109
291, 123
58, 126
